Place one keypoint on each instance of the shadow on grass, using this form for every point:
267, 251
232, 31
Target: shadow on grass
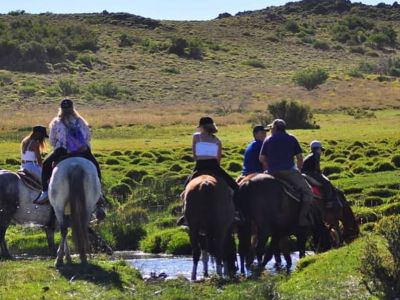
92, 273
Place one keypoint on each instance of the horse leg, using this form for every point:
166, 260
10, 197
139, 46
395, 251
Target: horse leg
60, 252
271, 250
50, 241
278, 259
244, 235
260, 249
194, 241
204, 258
284, 246
301, 244
3, 245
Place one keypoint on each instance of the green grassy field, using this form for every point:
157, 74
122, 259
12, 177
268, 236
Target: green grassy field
144, 168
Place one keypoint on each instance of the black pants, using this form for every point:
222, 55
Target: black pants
56, 156
213, 166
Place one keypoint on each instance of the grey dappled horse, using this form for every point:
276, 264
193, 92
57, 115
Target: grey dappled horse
209, 212
16, 207
74, 190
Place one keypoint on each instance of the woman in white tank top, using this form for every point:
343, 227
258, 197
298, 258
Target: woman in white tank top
207, 151
32, 147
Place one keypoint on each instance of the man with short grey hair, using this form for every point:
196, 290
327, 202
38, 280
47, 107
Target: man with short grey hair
277, 157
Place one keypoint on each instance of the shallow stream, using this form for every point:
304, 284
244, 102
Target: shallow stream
170, 267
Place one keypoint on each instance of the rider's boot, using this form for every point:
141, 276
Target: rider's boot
43, 198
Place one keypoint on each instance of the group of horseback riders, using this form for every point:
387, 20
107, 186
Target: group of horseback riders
275, 155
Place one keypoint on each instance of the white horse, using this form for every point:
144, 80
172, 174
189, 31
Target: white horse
16, 207
74, 190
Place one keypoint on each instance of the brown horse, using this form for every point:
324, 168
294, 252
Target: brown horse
209, 212
272, 213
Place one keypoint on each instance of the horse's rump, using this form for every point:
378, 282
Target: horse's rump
208, 202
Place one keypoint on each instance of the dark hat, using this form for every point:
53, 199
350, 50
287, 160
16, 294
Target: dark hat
204, 121
40, 129
278, 123
316, 144
259, 128
66, 103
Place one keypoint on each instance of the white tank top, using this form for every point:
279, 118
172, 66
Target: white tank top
28, 155
206, 149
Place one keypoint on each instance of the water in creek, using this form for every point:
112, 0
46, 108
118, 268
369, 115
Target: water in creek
174, 266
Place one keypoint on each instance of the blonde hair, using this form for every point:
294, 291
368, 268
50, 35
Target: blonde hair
31, 136
69, 115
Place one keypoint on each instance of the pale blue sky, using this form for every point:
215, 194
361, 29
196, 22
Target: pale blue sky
156, 9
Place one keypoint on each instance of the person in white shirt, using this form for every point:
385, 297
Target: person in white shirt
32, 147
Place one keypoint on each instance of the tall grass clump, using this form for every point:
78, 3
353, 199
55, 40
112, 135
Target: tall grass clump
296, 114
310, 78
381, 262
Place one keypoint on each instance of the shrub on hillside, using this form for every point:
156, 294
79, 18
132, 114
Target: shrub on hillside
321, 45
68, 87
195, 49
296, 114
254, 63
5, 78
178, 46
380, 271
292, 26
31, 44
106, 88
125, 40
310, 78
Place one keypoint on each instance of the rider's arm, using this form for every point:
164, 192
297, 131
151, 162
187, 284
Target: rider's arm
35, 148
194, 140
264, 162
219, 154
299, 161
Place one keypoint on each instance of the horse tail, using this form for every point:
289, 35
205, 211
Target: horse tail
79, 215
350, 225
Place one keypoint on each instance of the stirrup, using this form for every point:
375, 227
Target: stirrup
43, 198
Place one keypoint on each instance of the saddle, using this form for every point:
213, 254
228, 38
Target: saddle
296, 195
30, 180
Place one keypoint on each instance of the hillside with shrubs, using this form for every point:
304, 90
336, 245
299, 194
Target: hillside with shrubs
310, 51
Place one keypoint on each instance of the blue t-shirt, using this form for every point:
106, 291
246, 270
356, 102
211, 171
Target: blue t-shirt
251, 162
280, 149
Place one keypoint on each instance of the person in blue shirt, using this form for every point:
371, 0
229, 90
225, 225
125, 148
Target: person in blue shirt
251, 162
277, 158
